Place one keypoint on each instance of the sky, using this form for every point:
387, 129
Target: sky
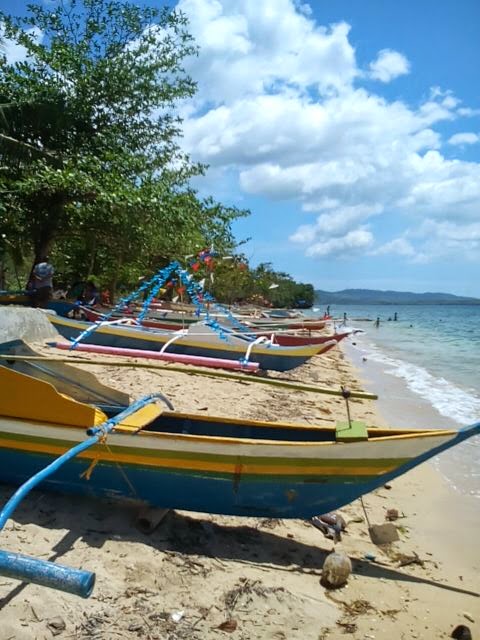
350, 130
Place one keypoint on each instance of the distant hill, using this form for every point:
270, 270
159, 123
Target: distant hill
371, 296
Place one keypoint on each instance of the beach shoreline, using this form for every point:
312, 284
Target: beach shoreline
198, 571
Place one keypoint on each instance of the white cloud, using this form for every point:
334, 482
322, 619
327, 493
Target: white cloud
464, 138
435, 240
248, 48
336, 227
398, 246
389, 65
350, 245
449, 239
17, 52
281, 107
467, 112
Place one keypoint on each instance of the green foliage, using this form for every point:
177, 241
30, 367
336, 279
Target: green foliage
235, 281
90, 168
89, 163
280, 290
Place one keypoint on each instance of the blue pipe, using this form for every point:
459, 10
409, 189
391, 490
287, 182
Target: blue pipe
46, 574
41, 571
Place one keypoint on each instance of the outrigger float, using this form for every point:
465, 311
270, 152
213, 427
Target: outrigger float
180, 460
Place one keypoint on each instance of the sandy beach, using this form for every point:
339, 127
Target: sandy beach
206, 576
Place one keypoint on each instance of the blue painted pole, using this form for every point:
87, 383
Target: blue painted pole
41, 571
46, 574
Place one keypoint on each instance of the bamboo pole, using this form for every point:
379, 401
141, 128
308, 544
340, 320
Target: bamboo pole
275, 382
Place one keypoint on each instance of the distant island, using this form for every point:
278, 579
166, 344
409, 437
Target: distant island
371, 296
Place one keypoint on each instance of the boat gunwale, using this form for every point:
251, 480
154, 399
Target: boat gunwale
228, 440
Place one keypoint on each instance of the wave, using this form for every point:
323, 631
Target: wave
447, 398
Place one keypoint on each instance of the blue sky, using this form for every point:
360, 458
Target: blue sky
351, 130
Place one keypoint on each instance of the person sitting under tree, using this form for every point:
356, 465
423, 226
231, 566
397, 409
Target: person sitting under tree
40, 285
89, 295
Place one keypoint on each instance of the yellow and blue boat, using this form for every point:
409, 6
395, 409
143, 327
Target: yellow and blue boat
193, 462
199, 340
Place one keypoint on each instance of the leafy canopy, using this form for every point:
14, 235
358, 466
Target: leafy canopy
88, 136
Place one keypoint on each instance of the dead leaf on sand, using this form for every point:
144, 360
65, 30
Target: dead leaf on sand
229, 625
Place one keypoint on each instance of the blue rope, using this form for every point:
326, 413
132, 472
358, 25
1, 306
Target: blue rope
155, 283
198, 297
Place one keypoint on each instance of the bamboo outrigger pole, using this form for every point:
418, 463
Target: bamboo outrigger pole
275, 382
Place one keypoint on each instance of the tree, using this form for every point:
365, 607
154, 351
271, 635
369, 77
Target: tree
88, 144
233, 280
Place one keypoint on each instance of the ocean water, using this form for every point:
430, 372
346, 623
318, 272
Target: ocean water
433, 351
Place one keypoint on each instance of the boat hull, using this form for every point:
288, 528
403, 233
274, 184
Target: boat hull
189, 492
190, 461
307, 325
275, 358
216, 475
291, 340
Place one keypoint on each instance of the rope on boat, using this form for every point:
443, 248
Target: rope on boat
259, 340
87, 474
171, 341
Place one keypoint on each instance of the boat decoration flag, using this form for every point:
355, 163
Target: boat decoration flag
153, 285
174, 276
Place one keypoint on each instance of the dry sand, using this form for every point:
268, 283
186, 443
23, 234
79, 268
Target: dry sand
202, 576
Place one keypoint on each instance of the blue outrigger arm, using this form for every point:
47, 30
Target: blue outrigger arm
43, 572
47, 574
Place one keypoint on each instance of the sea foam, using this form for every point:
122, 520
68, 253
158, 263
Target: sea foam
448, 399
459, 465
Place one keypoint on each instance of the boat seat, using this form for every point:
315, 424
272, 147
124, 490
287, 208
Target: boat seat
140, 419
356, 431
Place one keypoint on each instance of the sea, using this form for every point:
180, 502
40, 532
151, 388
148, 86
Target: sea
425, 367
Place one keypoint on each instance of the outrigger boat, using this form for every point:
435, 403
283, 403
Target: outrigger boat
281, 337
200, 340
178, 460
297, 339
168, 319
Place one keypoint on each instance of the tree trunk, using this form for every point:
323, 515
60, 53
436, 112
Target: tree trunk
114, 280
93, 255
45, 230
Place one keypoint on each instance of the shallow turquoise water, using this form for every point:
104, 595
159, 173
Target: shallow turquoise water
434, 351
441, 340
